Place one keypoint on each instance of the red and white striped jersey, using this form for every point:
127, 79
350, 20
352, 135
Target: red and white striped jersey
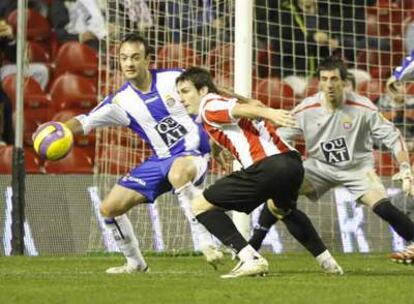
248, 140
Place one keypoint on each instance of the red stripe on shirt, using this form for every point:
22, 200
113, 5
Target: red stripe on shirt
221, 138
281, 146
219, 116
314, 105
354, 103
253, 138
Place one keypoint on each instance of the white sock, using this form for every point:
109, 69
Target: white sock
201, 237
325, 256
124, 236
248, 253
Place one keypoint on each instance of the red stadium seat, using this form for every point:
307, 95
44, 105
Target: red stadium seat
32, 119
70, 91
384, 163
65, 115
224, 81
38, 28
312, 87
263, 58
6, 160
380, 63
410, 89
275, 93
77, 58
176, 56
36, 103
371, 89
221, 60
32, 162
76, 162
34, 97
38, 52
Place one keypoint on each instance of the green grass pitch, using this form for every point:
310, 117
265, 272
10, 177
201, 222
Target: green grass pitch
293, 278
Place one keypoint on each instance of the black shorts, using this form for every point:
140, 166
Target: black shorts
278, 177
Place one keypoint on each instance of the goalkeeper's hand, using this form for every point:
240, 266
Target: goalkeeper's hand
405, 176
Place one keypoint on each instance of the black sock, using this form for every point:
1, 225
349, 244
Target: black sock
301, 228
266, 220
223, 228
399, 221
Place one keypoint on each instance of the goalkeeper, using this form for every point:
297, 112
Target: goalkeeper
338, 128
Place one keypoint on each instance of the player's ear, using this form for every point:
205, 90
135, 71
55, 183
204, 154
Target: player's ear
204, 91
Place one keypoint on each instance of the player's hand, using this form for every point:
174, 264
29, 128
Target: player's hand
391, 85
221, 156
6, 31
405, 176
282, 118
38, 129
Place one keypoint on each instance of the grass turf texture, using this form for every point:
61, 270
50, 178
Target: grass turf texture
293, 278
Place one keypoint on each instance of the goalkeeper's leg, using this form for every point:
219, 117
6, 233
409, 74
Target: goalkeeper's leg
397, 219
114, 209
302, 229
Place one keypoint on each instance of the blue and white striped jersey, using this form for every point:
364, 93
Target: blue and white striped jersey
157, 116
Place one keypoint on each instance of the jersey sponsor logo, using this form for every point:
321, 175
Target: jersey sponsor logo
152, 99
170, 101
134, 180
170, 131
347, 123
335, 150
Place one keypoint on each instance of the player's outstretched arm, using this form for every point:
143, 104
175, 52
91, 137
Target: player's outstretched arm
75, 126
279, 117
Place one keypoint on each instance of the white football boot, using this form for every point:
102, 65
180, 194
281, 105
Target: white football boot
213, 256
126, 268
404, 257
330, 266
256, 266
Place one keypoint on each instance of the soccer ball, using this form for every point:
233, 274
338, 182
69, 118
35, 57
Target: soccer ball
52, 140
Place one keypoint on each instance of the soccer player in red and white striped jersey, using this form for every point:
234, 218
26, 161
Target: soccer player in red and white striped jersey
272, 171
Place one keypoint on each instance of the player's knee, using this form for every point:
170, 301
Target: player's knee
182, 172
108, 209
200, 205
279, 213
105, 210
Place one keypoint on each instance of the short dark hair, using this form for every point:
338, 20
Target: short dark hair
134, 37
332, 63
351, 78
199, 77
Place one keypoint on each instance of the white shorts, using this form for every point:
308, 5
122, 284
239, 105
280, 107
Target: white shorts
358, 179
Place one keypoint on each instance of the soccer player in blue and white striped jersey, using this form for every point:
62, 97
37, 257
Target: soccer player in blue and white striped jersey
148, 104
